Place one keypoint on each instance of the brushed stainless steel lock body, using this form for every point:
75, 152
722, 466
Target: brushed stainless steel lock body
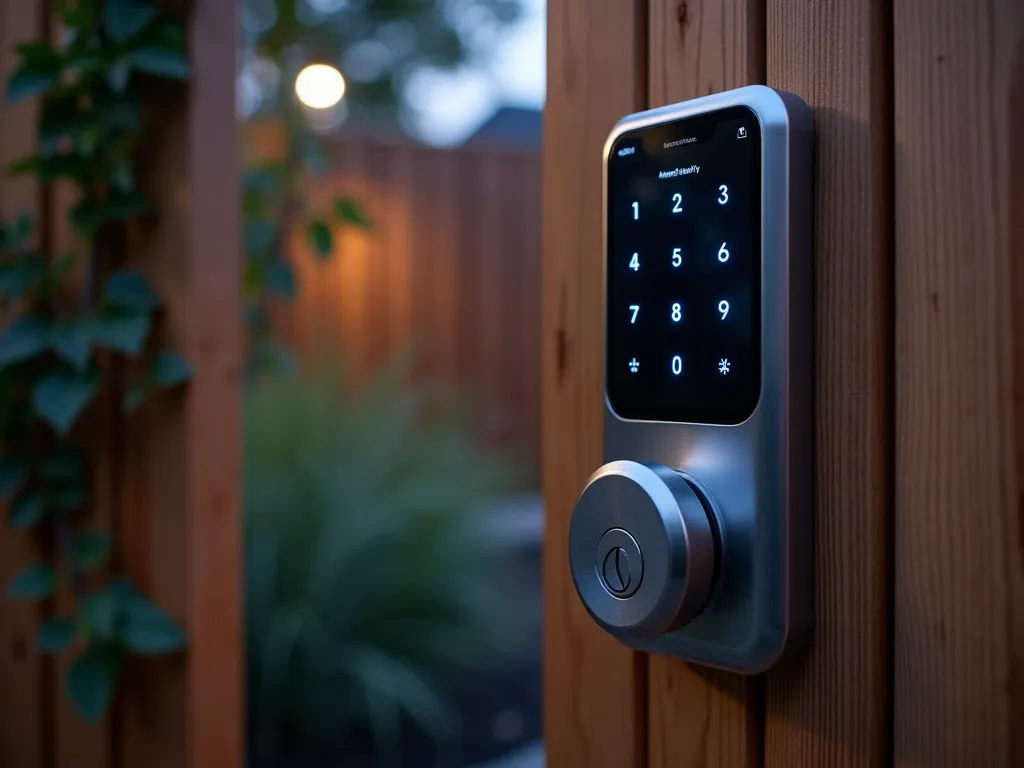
695, 538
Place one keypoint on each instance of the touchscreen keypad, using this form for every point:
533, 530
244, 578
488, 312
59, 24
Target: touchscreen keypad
684, 270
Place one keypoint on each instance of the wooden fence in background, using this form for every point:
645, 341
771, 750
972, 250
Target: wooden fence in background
452, 265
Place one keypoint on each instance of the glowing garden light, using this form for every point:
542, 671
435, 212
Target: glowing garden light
319, 86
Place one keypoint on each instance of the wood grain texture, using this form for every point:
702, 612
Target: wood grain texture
593, 689
697, 717
959, 581
24, 674
702, 717
699, 47
831, 708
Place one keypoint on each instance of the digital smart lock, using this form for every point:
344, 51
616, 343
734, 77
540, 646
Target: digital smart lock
694, 539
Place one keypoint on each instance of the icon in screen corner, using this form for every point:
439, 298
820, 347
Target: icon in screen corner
741, 132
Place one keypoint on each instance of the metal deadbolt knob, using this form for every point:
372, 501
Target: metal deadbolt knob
643, 546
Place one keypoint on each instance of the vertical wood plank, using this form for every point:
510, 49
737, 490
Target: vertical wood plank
400, 239
491, 250
832, 707
23, 726
703, 47
181, 473
214, 340
959, 582
593, 689
701, 717
349, 288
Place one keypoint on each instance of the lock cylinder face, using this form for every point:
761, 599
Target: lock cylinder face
694, 538
645, 549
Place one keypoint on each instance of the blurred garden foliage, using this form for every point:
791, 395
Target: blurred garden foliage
376, 581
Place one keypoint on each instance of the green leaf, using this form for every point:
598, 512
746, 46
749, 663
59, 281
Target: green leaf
126, 18
129, 290
260, 236
19, 277
26, 511
349, 211
281, 279
99, 612
133, 398
33, 583
13, 472
56, 635
90, 214
92, 550
38, 55
27, 337
117, 75
147, 629
170, 370
60, 398
72, 341
262, 181
27, 82
162, 62
320, 238
54, 166
92, 680
122, 333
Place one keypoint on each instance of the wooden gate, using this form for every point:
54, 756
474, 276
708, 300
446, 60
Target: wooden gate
918, 657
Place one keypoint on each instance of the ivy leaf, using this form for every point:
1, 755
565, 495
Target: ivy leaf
90, 214
26, 511
281, 278
39, 70
56, 635
349, 211
146, 629
33, 583
126, 18
19, 277
117, 75
99, 612
92, 680
133, 398
13, 472
92, 550
260, 235
27, 337
30, 81
170, 370
122, 333
160, 61
72, 341
320, 238
60, 398
129, 290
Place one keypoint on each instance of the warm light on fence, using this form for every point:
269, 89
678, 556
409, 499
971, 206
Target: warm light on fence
319, 86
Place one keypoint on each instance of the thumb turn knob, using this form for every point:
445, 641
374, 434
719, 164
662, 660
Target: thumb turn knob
643, 548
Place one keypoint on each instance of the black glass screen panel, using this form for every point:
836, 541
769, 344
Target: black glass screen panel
684, 270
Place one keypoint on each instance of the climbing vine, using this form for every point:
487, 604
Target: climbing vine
79, 326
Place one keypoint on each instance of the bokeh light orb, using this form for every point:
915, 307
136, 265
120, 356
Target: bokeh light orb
320, 86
